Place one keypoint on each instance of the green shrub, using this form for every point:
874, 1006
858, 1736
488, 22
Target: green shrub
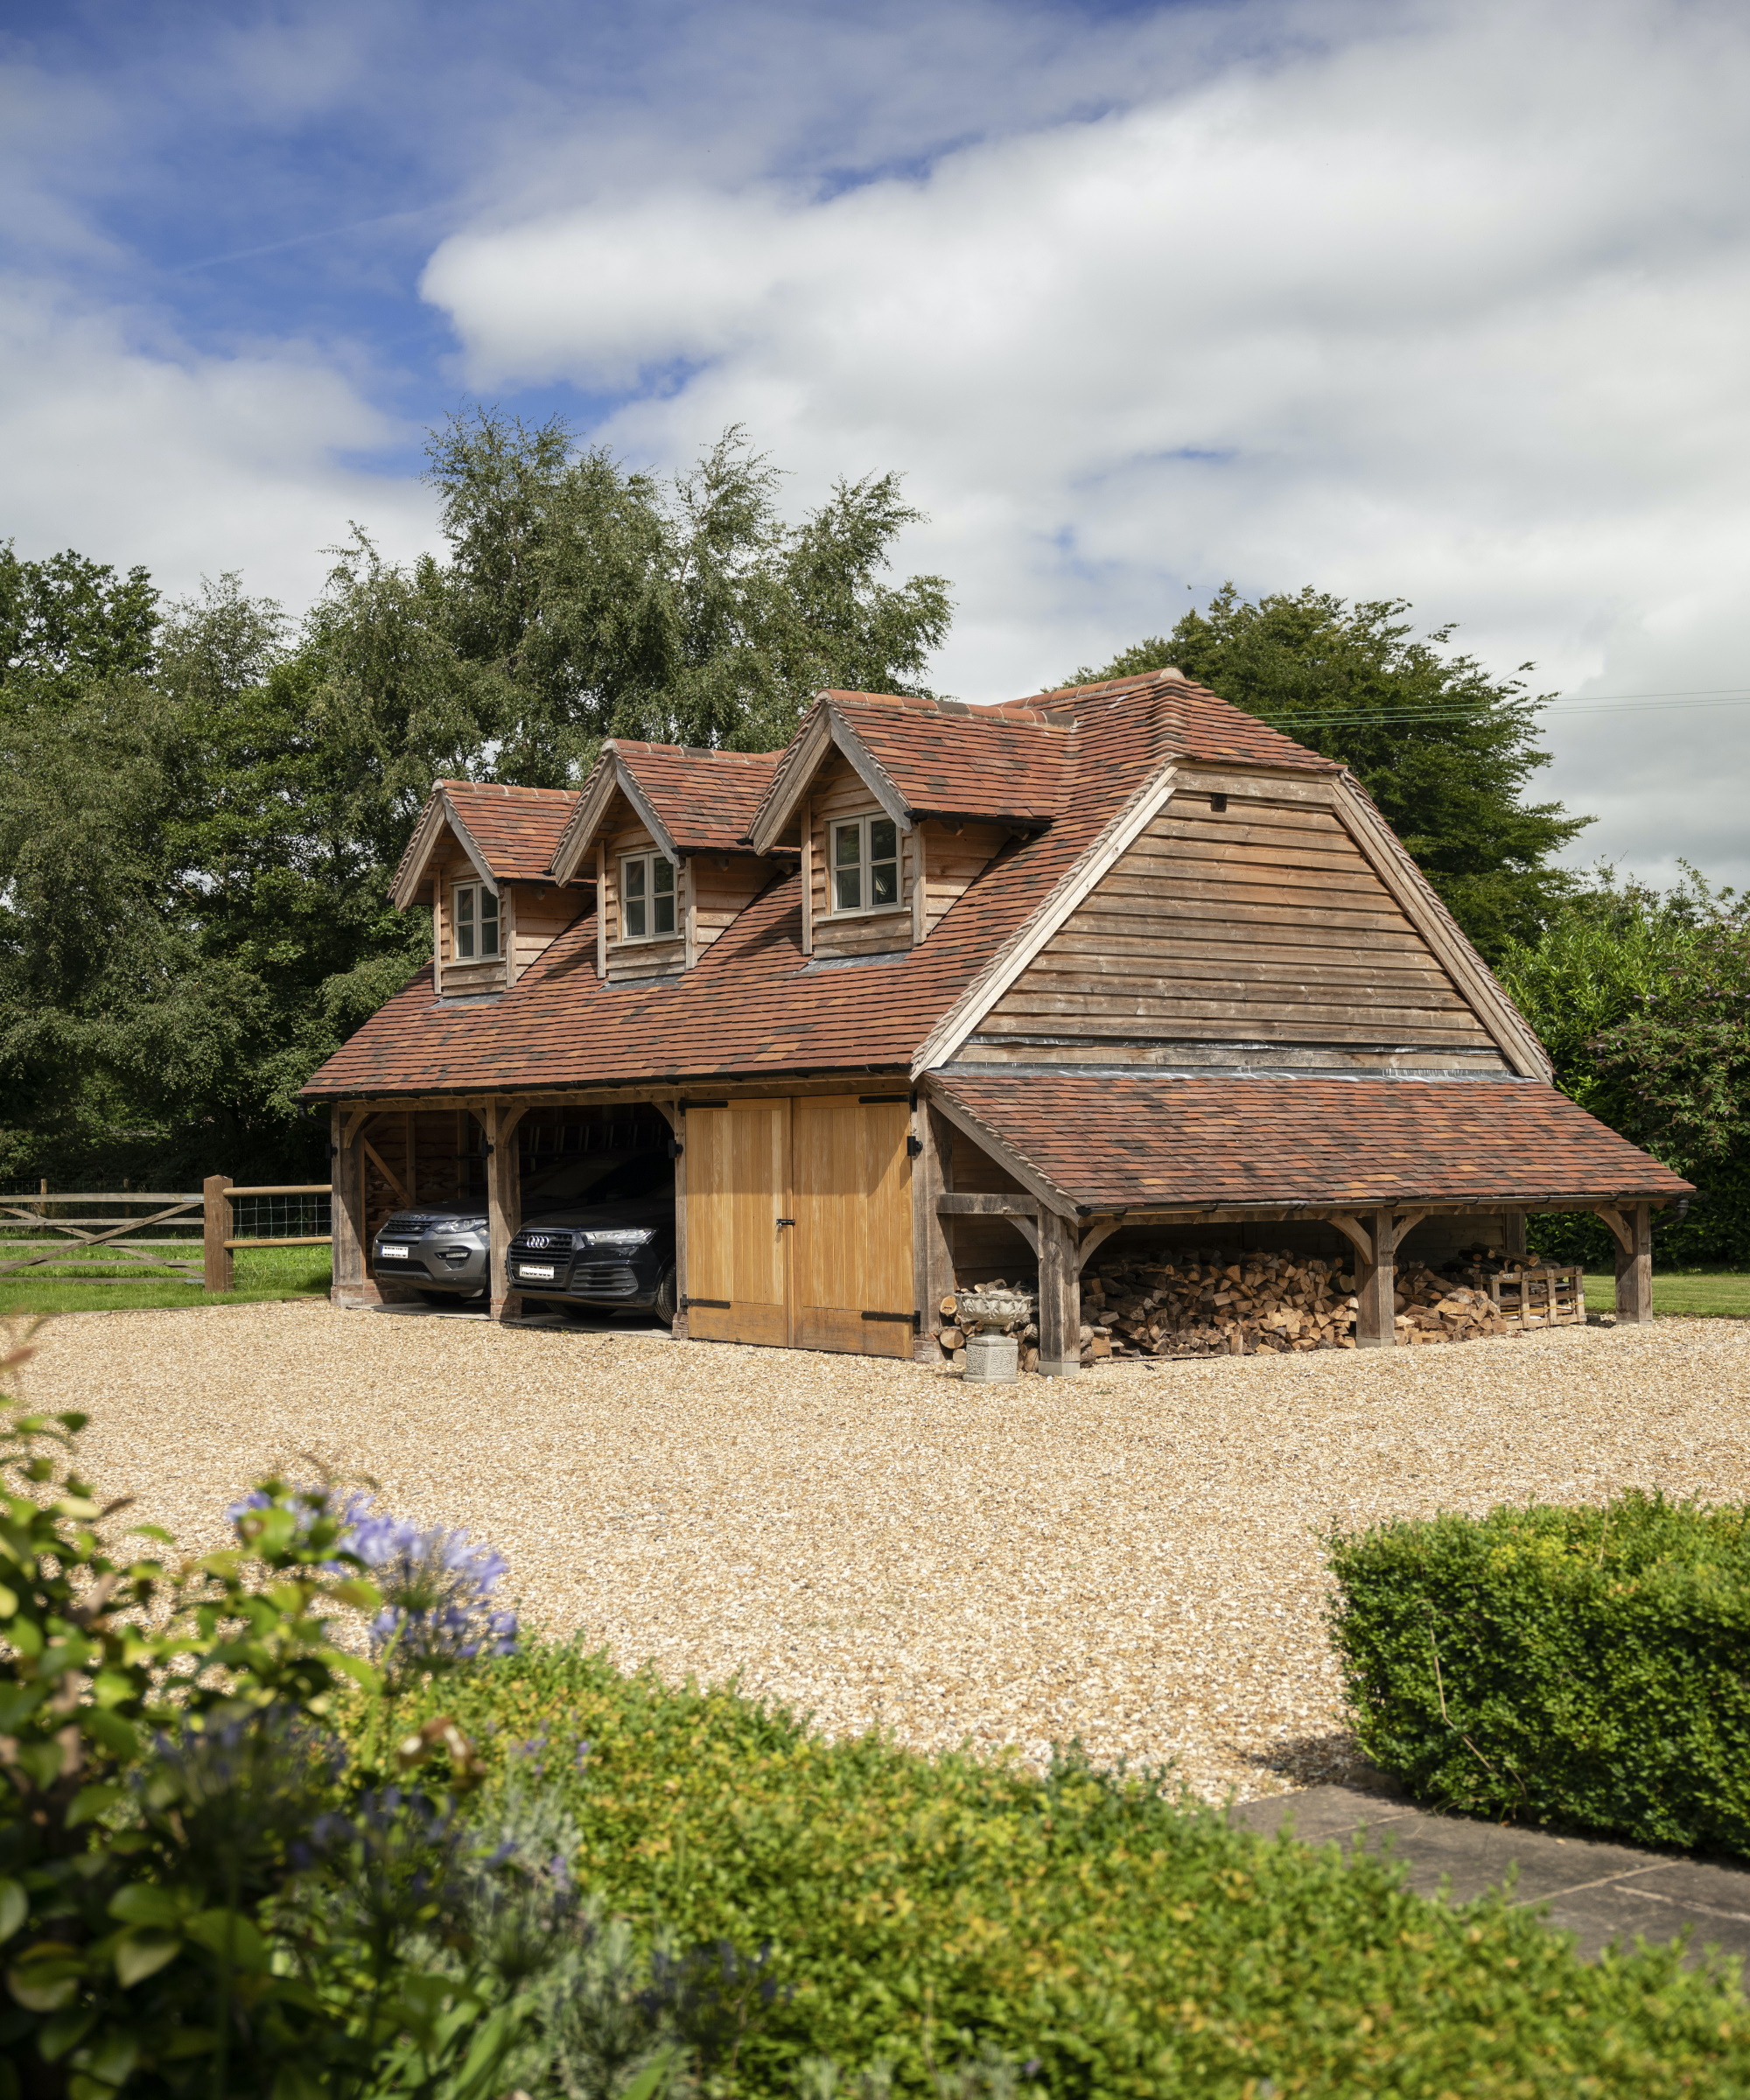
918, 1910
1579, 1667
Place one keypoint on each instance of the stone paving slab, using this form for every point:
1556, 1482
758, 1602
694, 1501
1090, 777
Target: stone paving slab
1600, 1892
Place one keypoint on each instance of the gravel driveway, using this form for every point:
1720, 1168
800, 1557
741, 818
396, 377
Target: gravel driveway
1128, 1557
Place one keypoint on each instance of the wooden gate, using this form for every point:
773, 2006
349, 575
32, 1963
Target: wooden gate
799, 1223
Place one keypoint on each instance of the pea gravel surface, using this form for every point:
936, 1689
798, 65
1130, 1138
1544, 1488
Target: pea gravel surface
1129, 1558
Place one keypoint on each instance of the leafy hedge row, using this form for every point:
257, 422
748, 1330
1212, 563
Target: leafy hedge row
918, 1910
1581, 1667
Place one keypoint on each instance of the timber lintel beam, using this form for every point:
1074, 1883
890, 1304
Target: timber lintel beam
958, 1204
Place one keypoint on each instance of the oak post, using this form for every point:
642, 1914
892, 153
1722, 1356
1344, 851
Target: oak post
1635, 1266
1060, 1298
1513, 1234
351, 1283
215, 1217
1376, 1313
932, 1256
677, 1124
503, 1204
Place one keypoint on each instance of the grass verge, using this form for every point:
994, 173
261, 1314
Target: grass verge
261, 1274
1689, 1294
915, 1909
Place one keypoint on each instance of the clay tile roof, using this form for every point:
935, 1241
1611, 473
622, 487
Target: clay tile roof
959, 761
754, 1003
1201, 725
1134, 1141
516, 829
705, 799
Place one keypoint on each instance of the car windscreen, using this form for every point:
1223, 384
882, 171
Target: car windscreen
649, 1174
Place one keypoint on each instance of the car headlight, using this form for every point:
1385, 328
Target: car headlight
466, 1225
622, 1235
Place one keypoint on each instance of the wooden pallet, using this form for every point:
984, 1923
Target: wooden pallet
1545, 1298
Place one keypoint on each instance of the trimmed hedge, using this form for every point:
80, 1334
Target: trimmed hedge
918, 1909
1586, 1667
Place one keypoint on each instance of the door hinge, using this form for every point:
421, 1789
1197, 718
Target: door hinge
910, 1319
787, 1221
915, 1148
675, 1148
715, 1304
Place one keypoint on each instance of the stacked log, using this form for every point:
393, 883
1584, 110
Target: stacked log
1209, 1304
1206, 1305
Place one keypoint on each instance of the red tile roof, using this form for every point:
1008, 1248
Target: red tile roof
705, 799
1136, 1140
752, 1003
945, 760
1201, 727
516, 829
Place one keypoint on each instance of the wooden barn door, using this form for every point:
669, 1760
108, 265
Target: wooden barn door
799, 1223
851, 1193
737, 1253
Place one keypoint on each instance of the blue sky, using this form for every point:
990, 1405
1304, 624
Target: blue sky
1446, 302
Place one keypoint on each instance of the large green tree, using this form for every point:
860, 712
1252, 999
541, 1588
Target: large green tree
201, 807
1448, 749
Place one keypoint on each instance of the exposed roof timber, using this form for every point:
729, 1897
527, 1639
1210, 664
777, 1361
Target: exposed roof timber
1019, 950
869, 770
793, 778
437, 816
992, 1141
611, 776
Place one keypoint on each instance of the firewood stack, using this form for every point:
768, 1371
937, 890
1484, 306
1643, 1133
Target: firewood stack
1205, 1304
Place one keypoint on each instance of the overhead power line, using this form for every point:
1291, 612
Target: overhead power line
1628, 702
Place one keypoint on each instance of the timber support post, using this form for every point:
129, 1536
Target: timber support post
1374, 1236
670, 1110
1513, 1234
217, 1268
1060, 1297
1631, 1226
932, 1255
350, 1285
504, 1203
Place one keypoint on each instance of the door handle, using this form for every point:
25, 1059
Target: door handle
787, 1221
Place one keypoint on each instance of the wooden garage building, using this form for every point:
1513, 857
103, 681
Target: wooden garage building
1115, 960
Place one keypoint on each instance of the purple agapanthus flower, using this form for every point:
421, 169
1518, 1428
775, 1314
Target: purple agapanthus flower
437, 1585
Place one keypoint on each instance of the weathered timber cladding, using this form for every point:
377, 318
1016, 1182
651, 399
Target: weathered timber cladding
538, 915
1263, 923
839, 793
954, 859
459, 979
718, 888
623, 832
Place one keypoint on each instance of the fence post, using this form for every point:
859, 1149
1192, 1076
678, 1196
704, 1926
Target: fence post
215, 1217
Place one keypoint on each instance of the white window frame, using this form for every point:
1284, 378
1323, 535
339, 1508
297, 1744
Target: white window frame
650, 896
477, 921
835, 828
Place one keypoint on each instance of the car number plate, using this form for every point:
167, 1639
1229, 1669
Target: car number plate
540, 1272
393, 1253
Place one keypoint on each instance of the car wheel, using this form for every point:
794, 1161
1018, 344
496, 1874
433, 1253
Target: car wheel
666, 1303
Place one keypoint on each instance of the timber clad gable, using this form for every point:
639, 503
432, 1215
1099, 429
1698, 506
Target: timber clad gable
1144, 960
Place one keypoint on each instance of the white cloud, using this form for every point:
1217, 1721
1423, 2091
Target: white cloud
120, 442
1447, 304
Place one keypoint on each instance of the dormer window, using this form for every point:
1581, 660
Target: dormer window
476, 923
647, 897
866, 865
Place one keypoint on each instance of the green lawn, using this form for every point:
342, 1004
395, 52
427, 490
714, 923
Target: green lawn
268, 1272
1705, 1294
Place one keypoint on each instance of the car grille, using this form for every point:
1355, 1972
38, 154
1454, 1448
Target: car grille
541, 1243
605, 1280
405, 1226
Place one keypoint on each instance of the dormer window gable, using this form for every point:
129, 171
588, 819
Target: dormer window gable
479, 859
659, 827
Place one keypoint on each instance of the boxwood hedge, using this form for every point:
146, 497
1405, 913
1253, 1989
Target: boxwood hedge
1129, 1943
1587, 1668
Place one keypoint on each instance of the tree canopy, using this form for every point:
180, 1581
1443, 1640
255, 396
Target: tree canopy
201, 805
1446, 748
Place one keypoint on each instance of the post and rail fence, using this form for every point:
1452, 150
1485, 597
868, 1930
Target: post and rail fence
212, 1207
